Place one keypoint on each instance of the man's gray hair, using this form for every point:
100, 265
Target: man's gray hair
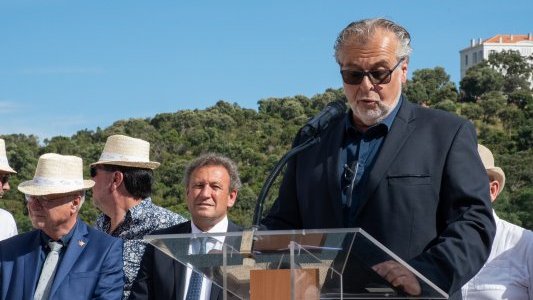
213, 159
361, 31
82, 199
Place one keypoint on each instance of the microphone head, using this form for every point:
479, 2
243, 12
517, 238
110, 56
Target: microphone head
321, 121
338, 105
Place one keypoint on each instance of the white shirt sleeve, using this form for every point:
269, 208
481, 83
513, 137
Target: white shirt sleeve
8, 227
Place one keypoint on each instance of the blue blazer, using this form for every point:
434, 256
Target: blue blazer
91, 267
426, 197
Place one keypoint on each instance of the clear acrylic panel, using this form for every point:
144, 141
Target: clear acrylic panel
325, 264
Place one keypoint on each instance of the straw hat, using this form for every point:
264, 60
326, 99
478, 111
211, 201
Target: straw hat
488, 162
121, 150
56, 174
4, 164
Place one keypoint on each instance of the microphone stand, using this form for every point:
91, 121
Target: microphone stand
275, 172
248, 235
312, 130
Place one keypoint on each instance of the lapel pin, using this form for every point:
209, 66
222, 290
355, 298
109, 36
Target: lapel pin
81, 243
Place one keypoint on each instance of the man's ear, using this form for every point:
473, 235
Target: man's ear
494, 190
232, 198
75, 204
404, 67
118, 178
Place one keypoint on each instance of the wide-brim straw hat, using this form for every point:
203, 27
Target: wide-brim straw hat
121, 150
488, 161
4, 163
56, 174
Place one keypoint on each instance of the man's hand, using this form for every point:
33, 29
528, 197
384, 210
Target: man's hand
398, 276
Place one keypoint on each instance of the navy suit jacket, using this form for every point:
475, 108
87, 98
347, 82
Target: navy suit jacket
161, 277
90, 268
426, 197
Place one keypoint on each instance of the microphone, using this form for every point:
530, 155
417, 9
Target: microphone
321, 121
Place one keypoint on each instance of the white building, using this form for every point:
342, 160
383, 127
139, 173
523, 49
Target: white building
480, 50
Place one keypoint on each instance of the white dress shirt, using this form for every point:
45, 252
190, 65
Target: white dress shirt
8, 227
508, 272
221, 226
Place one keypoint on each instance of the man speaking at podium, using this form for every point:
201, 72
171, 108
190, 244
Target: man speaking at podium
408, 175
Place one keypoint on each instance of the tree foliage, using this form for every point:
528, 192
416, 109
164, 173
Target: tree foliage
431, 86
516, 70
481, 79
257, 139
254, 139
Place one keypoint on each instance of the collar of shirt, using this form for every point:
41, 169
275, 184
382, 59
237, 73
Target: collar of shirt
134, 213
221, 226
373, 131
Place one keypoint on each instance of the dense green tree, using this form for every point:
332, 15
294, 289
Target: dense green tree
416, 92
523, 206
431, 86
480, 79
511, 117
524, 136
522, 98
471, 110
516, 69
446, 105
492, 103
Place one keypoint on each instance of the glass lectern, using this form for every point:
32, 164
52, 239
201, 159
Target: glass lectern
292, 264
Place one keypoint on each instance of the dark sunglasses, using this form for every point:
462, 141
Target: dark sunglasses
94, 170
4, 178
376, 76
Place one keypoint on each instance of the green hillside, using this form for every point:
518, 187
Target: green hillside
256, 140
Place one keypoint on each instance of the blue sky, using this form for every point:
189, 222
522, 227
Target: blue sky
72, 65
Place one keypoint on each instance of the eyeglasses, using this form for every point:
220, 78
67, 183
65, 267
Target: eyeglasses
4, 178
93, 171
50, 201
376, 77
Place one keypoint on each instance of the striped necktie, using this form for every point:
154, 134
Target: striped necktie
195, 283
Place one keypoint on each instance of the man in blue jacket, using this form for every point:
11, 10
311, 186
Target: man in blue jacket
63, 258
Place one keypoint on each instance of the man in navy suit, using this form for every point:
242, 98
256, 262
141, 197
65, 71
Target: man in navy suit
212, 183
88, 263
408, 175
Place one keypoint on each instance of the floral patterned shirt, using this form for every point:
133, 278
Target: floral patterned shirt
139, 221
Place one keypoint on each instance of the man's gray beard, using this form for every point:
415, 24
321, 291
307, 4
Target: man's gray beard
374, 116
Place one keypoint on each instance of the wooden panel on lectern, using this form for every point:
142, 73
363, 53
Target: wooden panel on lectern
276, 284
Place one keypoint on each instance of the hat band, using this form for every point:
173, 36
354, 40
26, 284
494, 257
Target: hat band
108, 156
3, 160
46, 182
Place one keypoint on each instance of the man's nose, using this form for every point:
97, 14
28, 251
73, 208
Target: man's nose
34, 204
5, 186
206, 191
366, 84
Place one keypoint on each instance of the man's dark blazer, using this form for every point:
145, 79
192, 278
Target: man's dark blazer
91, 266
161, 277
426, 197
